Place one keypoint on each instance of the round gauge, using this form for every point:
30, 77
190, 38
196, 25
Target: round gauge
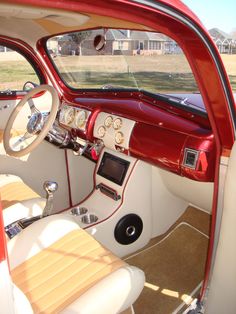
101, 131
69, 115
108, 121
119, 137
80, 119
117, 123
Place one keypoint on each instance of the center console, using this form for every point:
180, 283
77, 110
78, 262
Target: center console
112, 174
117, 212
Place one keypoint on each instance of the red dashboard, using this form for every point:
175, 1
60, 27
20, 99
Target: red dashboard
176, 140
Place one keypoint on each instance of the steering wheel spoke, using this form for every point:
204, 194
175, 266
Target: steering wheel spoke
33, 109
21, 140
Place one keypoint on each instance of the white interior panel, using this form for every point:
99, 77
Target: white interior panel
137, 199
197, 193
166, 207
109, 137
136, 193
43, 103
46, 162
221, 297
81, 176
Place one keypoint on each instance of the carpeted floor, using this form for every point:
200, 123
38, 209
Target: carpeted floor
173, 264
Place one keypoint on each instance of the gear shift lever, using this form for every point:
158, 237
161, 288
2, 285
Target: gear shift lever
50, 187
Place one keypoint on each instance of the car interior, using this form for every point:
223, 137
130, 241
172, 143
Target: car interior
106, 181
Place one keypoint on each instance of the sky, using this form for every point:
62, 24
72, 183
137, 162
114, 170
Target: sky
215, 13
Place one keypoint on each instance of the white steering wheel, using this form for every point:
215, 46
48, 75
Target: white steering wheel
37, 126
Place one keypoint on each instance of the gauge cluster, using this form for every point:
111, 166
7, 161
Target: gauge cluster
74, 117
114, 131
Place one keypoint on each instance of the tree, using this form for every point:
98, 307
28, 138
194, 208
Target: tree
78, 38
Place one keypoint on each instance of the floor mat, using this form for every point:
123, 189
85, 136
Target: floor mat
174, 268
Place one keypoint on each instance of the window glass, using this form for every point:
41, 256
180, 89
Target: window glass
219, 18
128, 59
15, 70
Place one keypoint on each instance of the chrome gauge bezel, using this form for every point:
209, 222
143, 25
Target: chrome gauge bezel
80, 119
119, 138
108, 121
117, 123
69, 112
74, 123
103, 130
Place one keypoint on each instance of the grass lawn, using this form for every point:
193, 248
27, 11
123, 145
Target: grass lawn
15, 73
155, 73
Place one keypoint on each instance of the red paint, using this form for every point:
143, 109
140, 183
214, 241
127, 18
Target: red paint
160, 135
198, 56
212, 231
3, 247
134, 107
205, 168
94, 154
201, 61
159, 146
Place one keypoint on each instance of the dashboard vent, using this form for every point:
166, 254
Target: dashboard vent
190, 158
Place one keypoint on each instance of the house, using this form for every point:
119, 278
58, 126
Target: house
224, 42
118, 42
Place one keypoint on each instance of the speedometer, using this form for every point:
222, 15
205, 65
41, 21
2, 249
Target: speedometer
80, 119
69, 115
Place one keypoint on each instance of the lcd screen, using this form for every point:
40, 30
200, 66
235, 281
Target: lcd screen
113, 168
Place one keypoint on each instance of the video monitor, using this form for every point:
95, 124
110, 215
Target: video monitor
113, 168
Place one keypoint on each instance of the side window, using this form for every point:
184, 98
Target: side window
15, 71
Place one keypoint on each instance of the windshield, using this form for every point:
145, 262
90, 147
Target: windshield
219, 18
113, 58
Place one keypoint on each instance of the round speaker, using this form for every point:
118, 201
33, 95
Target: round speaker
128, 229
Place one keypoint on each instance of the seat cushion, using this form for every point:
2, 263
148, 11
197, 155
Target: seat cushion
59, 274
13, 190
69, 271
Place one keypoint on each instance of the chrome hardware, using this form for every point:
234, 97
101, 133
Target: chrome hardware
89, 219
83, 149
190, 158
130, 231
108, 191
184, 101
35, 123
7, 92
59, 135
16, 227
80, 146
50, 187
77, 211
13, 229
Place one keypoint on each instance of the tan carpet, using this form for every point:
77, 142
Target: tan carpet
193, 216
174, 268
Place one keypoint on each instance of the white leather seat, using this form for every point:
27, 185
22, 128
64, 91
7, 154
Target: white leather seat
18, 199
59, 266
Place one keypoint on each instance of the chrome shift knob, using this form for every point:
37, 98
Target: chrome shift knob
50, 186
